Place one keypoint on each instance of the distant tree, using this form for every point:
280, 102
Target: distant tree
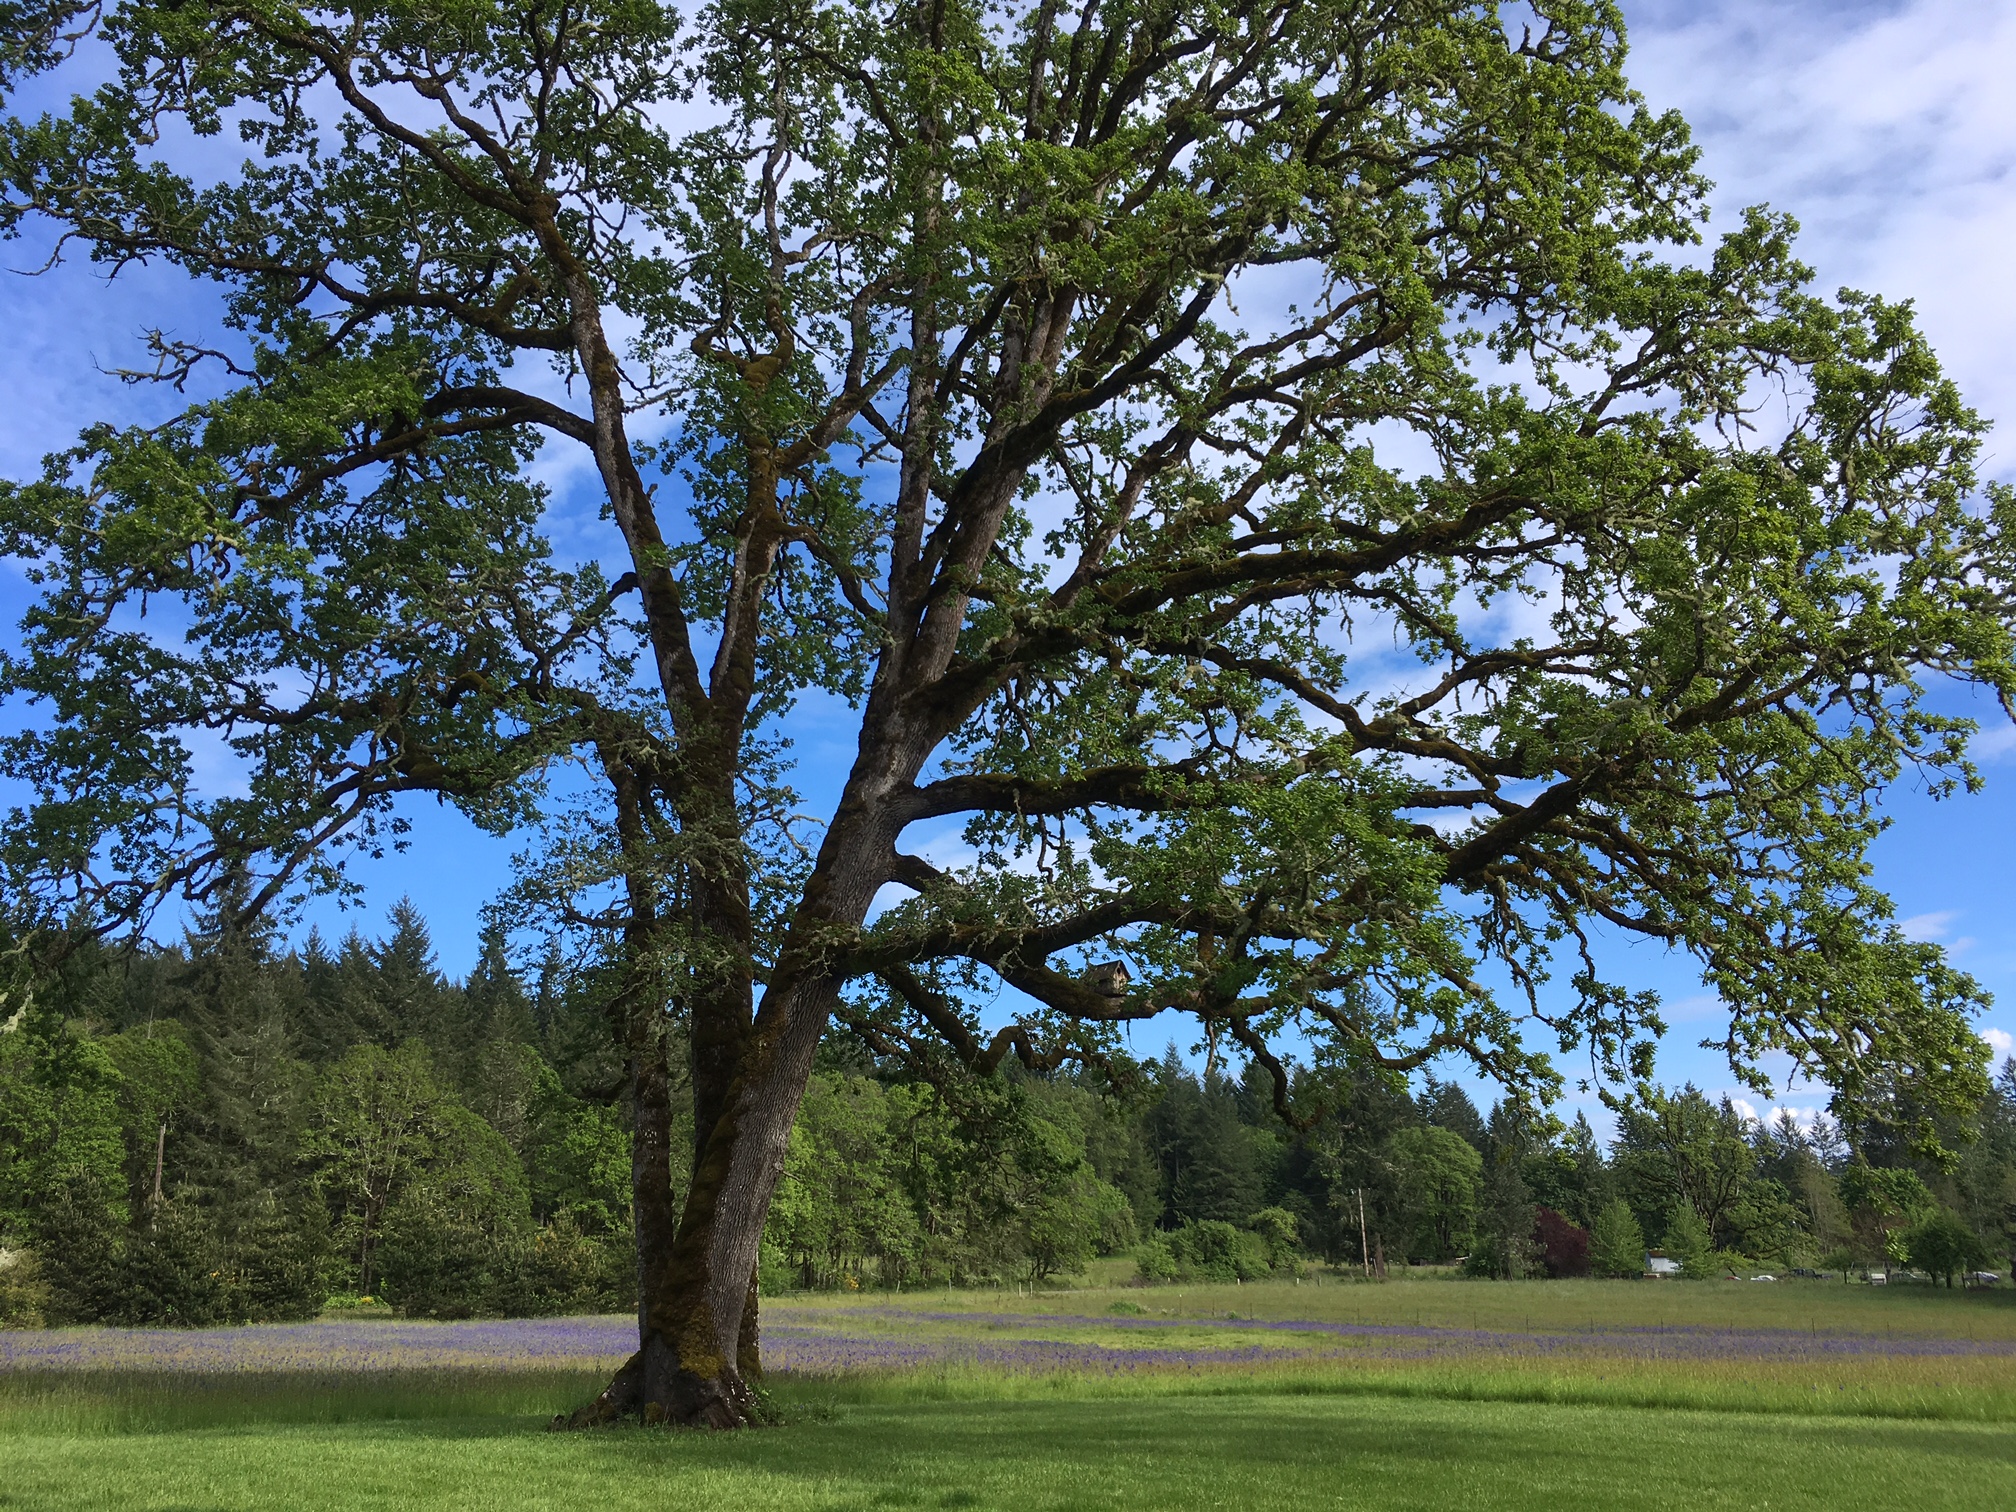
1617, 1243
1439, 1178
1587, 1190
1680, 1147
1117, 1145
495, 1006
1278, 1229
1364, 1109
1448, 1106
1883, 1202
1688, 1242
336, 1009
1985, 1181
845, 1203
61, 1134
1206, 1152
242, 1143
1942, 1245
374, 1130
1076, 1217
1561, 1247
158, 1086
1505, 1217
416, 1002
457, 1222
1766, 1223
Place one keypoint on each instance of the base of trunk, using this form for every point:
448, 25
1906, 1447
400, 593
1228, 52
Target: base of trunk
653, 1389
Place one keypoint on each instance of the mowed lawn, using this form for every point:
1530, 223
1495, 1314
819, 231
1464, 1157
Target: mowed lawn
1257, 1452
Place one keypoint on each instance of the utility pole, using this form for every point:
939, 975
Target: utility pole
1364, 1252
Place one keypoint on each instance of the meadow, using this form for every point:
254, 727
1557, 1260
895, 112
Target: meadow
1404, 1394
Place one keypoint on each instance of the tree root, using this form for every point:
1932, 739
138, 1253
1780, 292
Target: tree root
622, 1398
683, 1400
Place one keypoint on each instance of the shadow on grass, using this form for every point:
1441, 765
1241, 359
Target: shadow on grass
1295, 1451
131, 1401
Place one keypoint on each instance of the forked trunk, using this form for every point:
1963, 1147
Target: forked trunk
697, 1361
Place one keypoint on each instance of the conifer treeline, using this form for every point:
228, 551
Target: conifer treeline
232, 1129
228, 1129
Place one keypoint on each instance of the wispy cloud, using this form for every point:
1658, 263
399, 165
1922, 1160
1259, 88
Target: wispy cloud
1926, 927
1888, 130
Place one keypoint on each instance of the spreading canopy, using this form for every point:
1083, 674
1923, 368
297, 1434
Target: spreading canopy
1253, 465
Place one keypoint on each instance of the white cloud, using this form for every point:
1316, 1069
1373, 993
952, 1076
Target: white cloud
1993, 743
1926, 927
2002, 1042
1803, 1118
1888, 130
1692, 1009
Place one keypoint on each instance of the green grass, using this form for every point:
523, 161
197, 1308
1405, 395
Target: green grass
1259, 1452
1437, 1299
1347, 1427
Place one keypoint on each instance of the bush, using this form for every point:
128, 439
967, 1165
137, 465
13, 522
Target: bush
1486, 1260
558, 1270
1154, 1260
1213, 1250
24, 1296
88, 1286
434, 1263
775, 1274
177, 1266
1281, 1232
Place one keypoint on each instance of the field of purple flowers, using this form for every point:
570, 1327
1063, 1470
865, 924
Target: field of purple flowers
1094, 1343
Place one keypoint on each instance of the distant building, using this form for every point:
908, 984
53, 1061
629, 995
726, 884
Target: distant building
1659, 1264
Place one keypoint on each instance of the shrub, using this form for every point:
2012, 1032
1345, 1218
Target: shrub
1213, 1250
1281, 1232
1486, 1260
558, 1269
434, 1263
24, 1296
280, 1264
87, 1287
1154, 1260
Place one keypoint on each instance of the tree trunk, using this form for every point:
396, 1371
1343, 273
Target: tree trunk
697, 1355
650, 1169
160, 1159
697, 1358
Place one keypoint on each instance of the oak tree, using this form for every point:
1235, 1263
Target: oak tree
1281, 474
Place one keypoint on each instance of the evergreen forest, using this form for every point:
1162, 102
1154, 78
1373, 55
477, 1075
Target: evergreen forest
233, 1129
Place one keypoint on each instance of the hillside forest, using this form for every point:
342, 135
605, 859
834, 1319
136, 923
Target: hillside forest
234, 1129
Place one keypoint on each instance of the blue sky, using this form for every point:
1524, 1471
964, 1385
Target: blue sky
1887, 129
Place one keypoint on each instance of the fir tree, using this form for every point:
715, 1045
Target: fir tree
1616, 1243
411, 993
1448, 1106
